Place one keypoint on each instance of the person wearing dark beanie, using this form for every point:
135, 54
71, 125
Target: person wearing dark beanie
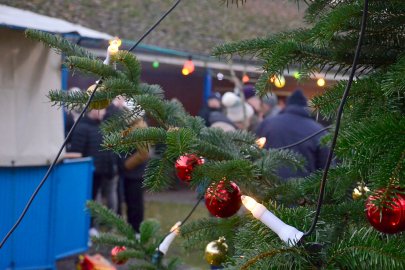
297, 98
290, 126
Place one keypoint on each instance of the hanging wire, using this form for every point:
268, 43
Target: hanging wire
338, 119
305, 139
184, 220
98, 83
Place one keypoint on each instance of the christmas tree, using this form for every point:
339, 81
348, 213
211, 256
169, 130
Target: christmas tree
370, 148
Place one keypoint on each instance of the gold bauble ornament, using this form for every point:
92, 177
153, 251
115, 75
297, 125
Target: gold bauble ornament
97, 104
215, 252
360, 191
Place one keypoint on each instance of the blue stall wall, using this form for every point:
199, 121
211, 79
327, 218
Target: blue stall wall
56, 225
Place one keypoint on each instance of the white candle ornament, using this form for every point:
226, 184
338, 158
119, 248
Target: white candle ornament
174, 231
287, 233
112, 49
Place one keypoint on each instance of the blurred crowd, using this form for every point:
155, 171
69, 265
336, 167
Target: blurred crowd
282, 124
119, 179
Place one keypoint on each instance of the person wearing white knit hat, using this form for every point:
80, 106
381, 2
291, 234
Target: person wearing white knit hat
239, 113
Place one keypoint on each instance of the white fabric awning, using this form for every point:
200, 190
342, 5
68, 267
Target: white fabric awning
14, 17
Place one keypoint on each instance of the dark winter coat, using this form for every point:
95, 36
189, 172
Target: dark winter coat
290, 126
87, 140
218, 116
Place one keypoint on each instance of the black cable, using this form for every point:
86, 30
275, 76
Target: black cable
98, 83
153, 27
305, 139
192, 211
339, 116
184, 220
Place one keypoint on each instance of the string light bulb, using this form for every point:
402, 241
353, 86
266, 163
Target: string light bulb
245, 78
287, 233
155, 64
188, 67
165, 244
297, 75
261, 142
321, 82
220, 76
112, 49
279, 81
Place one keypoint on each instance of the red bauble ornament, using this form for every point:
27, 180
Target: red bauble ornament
389, 218
223, 199
114, 253
185, 166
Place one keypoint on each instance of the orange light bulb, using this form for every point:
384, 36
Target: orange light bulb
245, 78
189, 65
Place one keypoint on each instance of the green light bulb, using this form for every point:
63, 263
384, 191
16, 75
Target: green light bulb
155, 64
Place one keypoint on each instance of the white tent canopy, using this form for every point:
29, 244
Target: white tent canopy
14, 17
31, 130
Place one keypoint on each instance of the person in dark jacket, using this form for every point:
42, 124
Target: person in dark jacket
116, 109
213, 105
219, 120
134, 167
86, 142
292, 125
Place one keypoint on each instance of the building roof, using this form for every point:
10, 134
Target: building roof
18, 18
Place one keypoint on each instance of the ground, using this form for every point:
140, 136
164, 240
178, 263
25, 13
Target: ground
167, 207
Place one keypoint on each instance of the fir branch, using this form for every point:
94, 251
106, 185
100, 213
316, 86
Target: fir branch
272, 160
197, 232
151, 89
154, 107
71, 100
122, 121
336, 20
351, 212
263, 86
111, 239
367, 99
129, 254
128, 140
173, 263
227, 141
376, 252
393, 81
255, 46
210, 151
59, 44
242, 138
236, 170
176, 114
158, 174
337, 191
194, 123
179, 142
120, 86
269, 254
104, 214
148, 230
92, 67
133, 67
366, 137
